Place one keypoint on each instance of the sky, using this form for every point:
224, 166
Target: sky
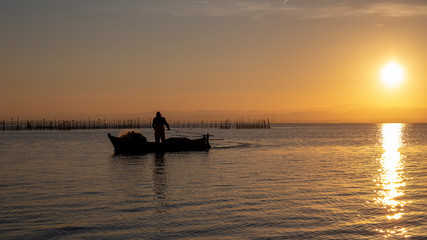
94, 57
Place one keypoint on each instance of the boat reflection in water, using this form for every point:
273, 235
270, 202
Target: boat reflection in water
391, 179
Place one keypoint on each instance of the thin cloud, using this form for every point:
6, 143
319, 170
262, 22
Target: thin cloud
397, 10
220, 8
303, 9
352, 8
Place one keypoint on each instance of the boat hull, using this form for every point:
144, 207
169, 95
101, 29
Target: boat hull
129, 146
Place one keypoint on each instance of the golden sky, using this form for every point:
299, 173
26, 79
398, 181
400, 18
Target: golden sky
116, 57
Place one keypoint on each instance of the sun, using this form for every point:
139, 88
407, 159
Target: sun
392, 74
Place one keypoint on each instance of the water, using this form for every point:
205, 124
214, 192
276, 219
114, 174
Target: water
331, 181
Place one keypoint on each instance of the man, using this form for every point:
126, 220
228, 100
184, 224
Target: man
159, 124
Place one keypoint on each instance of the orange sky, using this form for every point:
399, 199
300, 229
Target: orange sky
117, 57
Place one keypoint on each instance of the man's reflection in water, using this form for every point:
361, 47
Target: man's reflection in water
159, 180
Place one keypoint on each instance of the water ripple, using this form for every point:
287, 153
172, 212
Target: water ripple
308, 182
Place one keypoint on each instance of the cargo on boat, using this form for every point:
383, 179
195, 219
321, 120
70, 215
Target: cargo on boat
135, 143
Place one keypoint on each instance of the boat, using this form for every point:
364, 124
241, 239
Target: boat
138, 145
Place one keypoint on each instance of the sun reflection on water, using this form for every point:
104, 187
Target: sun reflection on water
390, 177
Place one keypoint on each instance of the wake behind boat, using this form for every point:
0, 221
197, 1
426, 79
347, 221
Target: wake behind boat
136, 143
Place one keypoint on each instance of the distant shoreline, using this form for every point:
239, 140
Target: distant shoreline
339, 114
88, 124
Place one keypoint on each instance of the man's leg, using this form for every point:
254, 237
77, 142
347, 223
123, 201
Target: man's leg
162, 135
157, 136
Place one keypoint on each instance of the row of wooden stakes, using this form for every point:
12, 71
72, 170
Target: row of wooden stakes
44, 124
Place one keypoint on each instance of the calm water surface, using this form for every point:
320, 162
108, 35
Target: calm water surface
332, 181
